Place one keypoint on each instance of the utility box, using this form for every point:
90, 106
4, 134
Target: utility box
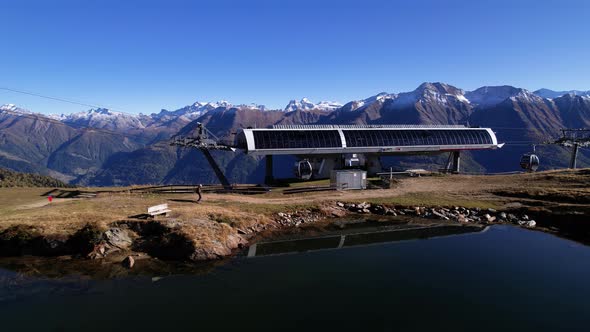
349, 179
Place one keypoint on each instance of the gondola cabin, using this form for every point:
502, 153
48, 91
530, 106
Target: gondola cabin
303, 169
529, 162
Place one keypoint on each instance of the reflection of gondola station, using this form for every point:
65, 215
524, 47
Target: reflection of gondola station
347, 239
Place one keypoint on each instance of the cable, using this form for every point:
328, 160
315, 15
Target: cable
62, 100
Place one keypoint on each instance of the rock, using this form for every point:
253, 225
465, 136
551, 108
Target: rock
378, 209
525, 217
117, 237
531, 223
340, 204
281, 214
365, 211
490, 210
99, 251
440, 215
234, 241
461, 218
363, 205
390, 212
489, 218
502, 216
337, 213
128, 262
521, 222
419, 210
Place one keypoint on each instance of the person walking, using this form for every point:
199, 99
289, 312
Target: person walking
199, 193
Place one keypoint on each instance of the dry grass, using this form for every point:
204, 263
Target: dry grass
24, 206
12, 199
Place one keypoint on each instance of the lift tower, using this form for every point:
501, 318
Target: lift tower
205, 141
574, 138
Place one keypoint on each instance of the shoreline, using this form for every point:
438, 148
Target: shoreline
108, 224
167, 239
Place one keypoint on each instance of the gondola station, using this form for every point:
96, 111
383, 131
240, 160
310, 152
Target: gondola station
322, 149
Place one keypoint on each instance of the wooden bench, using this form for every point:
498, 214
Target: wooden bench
158, 210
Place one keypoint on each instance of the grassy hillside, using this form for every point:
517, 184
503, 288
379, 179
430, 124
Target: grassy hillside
14, 179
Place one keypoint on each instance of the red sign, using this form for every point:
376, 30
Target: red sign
50, 198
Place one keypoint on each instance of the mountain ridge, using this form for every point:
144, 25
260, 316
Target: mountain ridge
105, 147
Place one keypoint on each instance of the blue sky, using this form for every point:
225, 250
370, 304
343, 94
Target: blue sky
142, 56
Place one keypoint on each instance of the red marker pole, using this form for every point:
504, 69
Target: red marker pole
50, 198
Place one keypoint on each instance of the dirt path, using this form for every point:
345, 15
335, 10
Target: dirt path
38, 204
443, 185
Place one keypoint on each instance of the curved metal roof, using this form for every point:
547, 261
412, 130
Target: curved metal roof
331, 139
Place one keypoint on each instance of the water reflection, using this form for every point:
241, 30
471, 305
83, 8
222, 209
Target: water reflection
506, 278
359, 237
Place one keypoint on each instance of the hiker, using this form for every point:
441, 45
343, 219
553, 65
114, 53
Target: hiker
199, 193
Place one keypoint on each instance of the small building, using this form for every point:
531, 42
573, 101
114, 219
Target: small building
347, 179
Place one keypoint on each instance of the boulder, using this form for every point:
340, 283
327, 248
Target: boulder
363, 205
440, 215
378, 209
390, 212
99, 251
531, 223
334, 212
118, 238
128, 262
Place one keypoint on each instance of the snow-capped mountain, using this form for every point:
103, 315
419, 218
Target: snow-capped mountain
306, 105
376, 99
127, 152
492, 95
102, 118
12, 108
551, 94
189, 112
434, 93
